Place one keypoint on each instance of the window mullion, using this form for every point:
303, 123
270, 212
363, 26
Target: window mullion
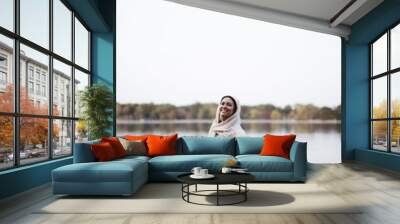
50, 77
389, 113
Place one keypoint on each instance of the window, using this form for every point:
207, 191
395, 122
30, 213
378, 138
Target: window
62, 74
54, 126
6, 72
37, 89
43, 77
7, 14
81, 45
62, 29
3, 78
34, 21
81, 81
30, 72
30, 87
37, 75
6, 142
3, 61
44, 91
385, 97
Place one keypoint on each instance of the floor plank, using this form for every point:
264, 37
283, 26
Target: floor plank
377, 190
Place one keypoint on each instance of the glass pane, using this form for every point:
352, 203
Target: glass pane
395, 94
379, 55
35, 21
81, 131
62, 29
379, 98
395, 47
6, 142
81, 81
34, 97
7, 14
33, 139
81, 45
62, 89
395, 138
62, 138
379, 135
6, 74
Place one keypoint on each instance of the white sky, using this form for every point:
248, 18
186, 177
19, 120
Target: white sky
170, 53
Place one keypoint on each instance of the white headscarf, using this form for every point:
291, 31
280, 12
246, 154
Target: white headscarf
229, 127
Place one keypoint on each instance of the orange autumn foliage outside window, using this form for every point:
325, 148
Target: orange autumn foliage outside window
34, 131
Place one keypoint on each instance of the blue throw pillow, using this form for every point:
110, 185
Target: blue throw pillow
192, 145
249, 145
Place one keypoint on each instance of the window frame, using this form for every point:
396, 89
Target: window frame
15, 72
388, 74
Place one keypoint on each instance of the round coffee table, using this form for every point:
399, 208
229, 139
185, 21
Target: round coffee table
238, 179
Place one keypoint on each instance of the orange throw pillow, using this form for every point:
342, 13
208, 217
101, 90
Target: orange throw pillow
136, 137
116, 145
277, 145
161, 145
103, 152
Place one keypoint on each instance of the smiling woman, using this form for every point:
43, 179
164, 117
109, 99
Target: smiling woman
227, 119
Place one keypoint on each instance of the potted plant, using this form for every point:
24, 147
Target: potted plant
96, 102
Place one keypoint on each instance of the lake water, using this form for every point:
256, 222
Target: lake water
323, 138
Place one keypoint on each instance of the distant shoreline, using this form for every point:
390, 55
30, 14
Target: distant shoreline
206, 121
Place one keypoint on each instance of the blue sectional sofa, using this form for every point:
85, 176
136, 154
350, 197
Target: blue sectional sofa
125, 176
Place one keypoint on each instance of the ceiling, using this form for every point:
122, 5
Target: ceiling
326, 16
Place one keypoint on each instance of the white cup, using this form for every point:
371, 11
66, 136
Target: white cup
196, 171
226, 170
203, 172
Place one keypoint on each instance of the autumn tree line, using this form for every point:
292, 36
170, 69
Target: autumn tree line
151, 111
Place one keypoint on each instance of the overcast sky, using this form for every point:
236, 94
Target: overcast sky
171, 53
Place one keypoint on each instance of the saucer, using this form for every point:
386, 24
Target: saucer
208, 176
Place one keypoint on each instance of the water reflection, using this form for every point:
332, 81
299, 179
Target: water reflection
201, 128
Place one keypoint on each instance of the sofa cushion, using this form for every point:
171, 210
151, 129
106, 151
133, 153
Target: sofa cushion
249, 145
116, 145
194, 145
275, 145
185, 163
111, 171
161, 145
134, 147
103, 152
83, 152
257, 163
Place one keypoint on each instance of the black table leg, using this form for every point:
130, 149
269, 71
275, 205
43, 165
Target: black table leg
196, 188
245, 193
217, 194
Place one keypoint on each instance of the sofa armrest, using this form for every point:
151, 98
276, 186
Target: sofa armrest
298, 155
83, 152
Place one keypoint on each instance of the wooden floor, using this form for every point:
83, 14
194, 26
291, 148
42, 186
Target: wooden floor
377, 188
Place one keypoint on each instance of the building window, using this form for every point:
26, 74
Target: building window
37, 75
3, 78
30, 72
3, 61
385, 97
30, 87
35, 52
44, 91
43, 77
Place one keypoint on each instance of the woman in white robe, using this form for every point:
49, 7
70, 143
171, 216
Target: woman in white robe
227, 119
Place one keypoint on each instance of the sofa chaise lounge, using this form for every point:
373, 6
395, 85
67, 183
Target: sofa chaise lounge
125, 176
